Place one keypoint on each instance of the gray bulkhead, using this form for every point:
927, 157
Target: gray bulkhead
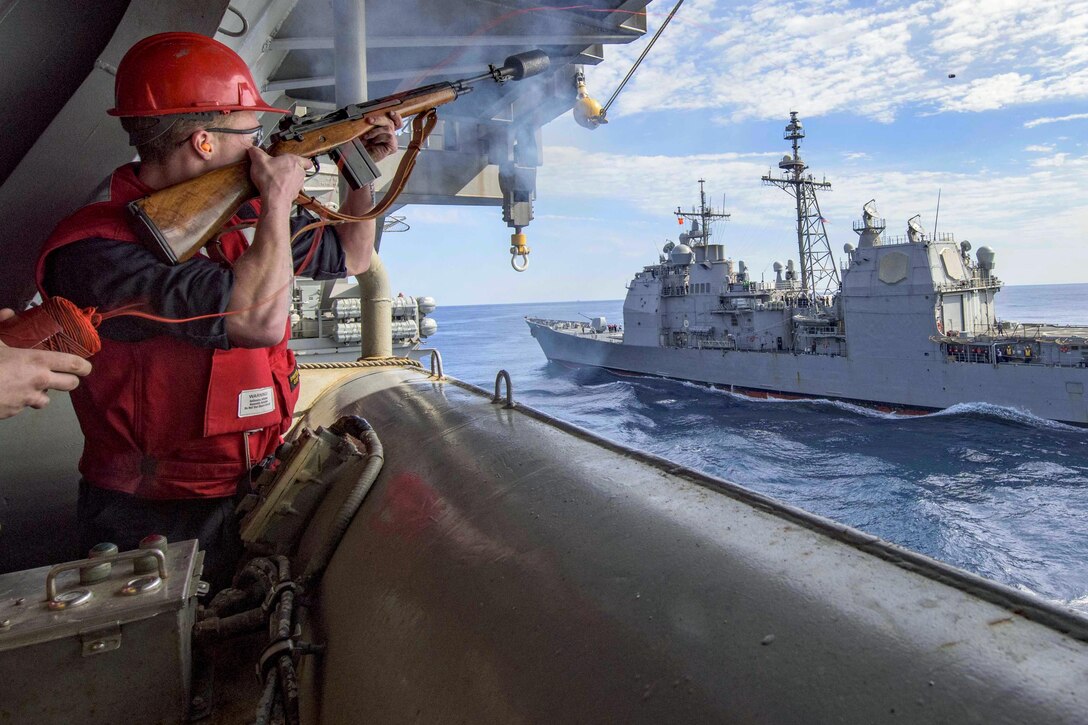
896, 297
889, 302
640, 309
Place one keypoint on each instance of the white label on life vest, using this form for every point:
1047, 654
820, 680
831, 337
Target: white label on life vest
256, 402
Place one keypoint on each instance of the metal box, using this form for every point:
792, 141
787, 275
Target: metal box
121, 654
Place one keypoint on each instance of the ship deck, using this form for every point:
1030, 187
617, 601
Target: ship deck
1039, 331
579, 329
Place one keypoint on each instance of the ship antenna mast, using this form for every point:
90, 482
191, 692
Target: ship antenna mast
700, 218
819, 275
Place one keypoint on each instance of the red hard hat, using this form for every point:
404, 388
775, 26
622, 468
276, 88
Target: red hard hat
184, 73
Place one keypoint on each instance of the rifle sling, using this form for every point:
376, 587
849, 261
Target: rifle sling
422, 125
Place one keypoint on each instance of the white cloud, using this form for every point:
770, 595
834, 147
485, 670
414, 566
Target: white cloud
771, 56
856, 156
1035, 148
1050, 161
1026, 216
1040, 121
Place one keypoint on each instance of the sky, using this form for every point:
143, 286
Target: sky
1003, 143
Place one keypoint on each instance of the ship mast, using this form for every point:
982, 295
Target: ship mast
819, 275
700, 218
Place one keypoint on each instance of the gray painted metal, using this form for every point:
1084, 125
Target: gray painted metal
377, 304
114, 659
349, 35
506, 568
446, 41
39, 451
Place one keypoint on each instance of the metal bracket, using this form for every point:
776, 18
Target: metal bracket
271, 653
436, 362
276, 592
97, 641
503, 375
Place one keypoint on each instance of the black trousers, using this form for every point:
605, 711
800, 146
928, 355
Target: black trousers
122, 519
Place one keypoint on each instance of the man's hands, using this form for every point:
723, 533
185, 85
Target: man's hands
262, 275
278, 178
25, 375
381, 141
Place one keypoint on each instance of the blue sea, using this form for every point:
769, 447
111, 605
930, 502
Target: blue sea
992, 490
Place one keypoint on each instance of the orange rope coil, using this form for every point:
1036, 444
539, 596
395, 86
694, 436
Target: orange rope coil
56, 325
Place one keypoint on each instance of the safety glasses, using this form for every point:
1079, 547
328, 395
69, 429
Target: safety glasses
257, 132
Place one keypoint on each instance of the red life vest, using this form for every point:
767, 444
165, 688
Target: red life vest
162, 418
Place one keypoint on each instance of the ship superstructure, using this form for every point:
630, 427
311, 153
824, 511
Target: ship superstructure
911, 325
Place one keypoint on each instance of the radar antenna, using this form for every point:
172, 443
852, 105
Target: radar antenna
701, 219
916, 233
819, 274
870, 227
869, 212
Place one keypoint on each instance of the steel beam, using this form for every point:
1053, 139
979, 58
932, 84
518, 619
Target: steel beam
420, 41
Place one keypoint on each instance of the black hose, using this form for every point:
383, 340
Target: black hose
254, 582
214, 628
251, 586
356, 427
279, 697
288, 685
264, 705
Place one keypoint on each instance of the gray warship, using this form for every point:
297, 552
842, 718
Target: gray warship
906, 324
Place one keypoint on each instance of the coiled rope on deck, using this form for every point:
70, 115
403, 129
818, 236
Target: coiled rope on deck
374, 363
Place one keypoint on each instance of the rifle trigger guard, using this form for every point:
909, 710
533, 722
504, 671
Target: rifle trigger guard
315, 169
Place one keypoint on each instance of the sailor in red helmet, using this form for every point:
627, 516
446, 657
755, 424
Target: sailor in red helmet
174, 415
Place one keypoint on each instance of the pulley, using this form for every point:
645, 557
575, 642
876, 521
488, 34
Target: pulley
589, 113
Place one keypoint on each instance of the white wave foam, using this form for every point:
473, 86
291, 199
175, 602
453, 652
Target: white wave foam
1077, 604
990, 410
1015, 415
827, 402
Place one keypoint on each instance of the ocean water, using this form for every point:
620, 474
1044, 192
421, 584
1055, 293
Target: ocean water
992, 490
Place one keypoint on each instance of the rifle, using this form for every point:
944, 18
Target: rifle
177, 221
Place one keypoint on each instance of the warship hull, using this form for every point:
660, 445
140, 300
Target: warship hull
888, 383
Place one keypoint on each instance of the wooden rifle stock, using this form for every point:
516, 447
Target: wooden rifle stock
176, 222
